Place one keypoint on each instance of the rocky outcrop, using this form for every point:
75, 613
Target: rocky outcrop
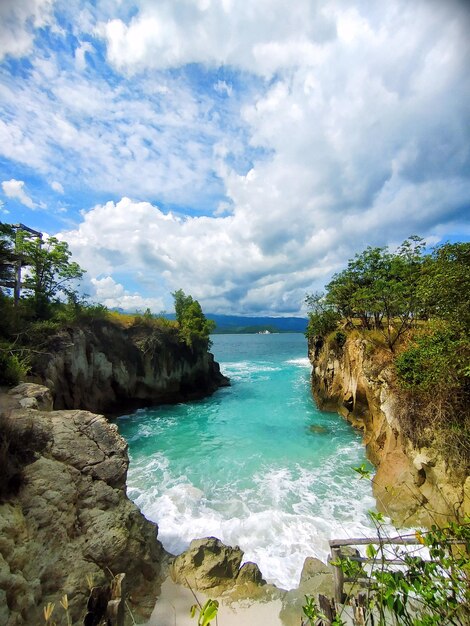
106, 368
210, 564
413, 485
212, 568
65, 521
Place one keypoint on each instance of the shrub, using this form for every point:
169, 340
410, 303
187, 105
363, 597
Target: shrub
433, 360
340, 338
13, 369
320, 324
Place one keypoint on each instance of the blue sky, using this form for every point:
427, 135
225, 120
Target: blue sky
241, 151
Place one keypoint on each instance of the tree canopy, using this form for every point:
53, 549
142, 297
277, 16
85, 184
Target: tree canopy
391, 291
194, 327
48, 271
51, 272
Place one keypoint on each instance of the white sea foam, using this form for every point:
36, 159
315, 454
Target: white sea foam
278, 522
241, 472
301, 362
246, 369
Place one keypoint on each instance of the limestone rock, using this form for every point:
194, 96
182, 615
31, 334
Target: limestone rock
250, 573
71, 518
316, 578
103, 367
31, 396
412, 485
206, 564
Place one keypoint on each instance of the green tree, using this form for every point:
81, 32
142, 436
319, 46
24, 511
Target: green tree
194, 327
444, 287
380, 288
50, 274
7, 255
182, 302
322, 317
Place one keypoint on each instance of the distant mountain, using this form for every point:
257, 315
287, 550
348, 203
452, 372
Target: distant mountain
238, 324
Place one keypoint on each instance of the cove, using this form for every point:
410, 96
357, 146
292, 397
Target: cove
256, 464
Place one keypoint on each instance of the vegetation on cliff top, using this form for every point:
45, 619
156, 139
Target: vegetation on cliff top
415, 305
45, 298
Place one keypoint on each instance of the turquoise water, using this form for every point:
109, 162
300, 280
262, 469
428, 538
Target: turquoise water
256, 464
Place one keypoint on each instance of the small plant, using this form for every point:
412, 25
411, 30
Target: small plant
48, 611
206, 613
425, 584
314, 614
13, 368
64, 603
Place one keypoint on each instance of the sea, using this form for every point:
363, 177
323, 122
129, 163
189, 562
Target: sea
256, 464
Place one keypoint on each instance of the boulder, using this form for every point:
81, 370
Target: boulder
206, 564
316, 578
69, 525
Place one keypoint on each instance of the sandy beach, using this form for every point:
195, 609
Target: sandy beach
175, 601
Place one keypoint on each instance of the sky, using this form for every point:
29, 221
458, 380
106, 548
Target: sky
242, 151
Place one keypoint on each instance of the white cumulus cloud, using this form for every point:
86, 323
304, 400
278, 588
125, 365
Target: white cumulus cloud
15, 189
113, 295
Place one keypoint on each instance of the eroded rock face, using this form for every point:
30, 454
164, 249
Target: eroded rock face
412, 485
102, 367
206, 564
70, 518
211, 566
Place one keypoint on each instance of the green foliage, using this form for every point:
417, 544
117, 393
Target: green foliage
380, 288
7, 255
51, 272
194, 327
428, 591
434, 359
340, 338
420, 588
444, 286
13, 368
205, 614
322, 318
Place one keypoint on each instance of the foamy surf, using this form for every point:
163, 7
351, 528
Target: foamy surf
301, 362
255, 465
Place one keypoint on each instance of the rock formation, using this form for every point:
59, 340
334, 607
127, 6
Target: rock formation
210, 564
214, 569
412, 485
106, 368
65, 520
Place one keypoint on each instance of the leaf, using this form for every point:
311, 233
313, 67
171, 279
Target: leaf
420, 538
208, 612
371, 551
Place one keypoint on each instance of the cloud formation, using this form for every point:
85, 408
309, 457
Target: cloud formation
15, 189
18, 21
243, 151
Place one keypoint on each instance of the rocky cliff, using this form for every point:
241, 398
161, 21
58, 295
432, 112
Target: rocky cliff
66, 523
106, 368
413, 484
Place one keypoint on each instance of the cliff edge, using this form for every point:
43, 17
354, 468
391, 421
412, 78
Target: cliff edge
103, 367
413, 485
